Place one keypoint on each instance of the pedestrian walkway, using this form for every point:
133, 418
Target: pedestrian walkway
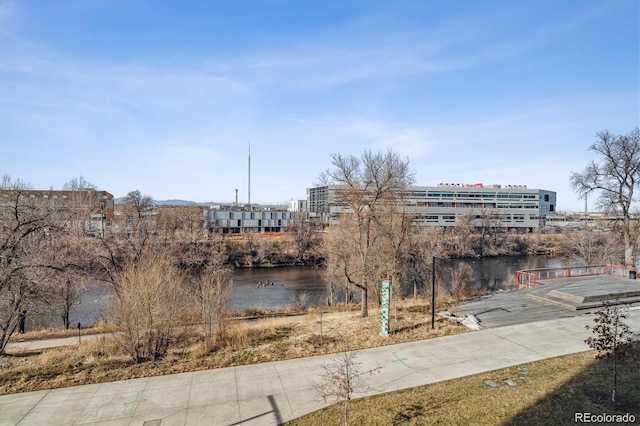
550, 299
38, 345
271, 393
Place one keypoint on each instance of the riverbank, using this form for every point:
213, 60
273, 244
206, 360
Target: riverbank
282, 249
248, 342
293, 285
276, 392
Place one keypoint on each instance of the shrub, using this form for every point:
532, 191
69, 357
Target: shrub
148, 303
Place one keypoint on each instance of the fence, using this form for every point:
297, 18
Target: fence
529, 277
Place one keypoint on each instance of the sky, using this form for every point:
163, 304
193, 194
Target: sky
166, 96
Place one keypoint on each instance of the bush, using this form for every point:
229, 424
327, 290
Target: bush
148, 303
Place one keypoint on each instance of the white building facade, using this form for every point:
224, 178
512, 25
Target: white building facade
297, 206
237, 221
508, 206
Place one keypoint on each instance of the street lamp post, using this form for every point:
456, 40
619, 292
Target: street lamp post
433, 293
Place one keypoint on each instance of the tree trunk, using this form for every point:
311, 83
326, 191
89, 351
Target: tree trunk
22, 322
364, 302
629, 258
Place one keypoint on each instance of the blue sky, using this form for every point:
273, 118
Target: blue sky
164, 96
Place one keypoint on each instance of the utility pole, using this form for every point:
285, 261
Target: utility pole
433, 293
586, 208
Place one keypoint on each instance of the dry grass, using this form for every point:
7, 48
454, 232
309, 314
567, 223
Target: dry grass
52, 333
248, 342
547, 392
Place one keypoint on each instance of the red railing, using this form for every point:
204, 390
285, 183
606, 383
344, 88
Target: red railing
529, 277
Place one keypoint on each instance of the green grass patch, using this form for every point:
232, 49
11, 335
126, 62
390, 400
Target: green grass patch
245, 356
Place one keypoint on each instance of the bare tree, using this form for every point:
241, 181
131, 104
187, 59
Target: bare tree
168, 223
303, 235
459, 280
213, 290
138, 205
463, 239
342, 379
209, 283
396, 226
612, 337
135, 234
424, 244
366, 187
80, 205
487, 226
71, 265
43, 258
615, 176
343, 261
111, 253
27, 230
193, 220
68, 294
332, 273
180, 223
149, 299
300, 299
588, 247
10, 183
78, 183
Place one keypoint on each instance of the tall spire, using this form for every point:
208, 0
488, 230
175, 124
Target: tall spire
249, 192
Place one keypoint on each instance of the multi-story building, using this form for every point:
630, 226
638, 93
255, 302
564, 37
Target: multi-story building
236, 221
97, 204
297, 206
509, 206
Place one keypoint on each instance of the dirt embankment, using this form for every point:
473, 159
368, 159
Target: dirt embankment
280, 249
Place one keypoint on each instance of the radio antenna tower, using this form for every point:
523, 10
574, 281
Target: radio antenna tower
249, 189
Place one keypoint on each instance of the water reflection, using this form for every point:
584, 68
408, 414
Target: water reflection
488, 273
493, 273
278, 289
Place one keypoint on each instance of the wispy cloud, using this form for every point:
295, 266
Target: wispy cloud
405, 139
446, 90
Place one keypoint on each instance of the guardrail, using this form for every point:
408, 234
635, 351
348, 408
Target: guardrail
529, 277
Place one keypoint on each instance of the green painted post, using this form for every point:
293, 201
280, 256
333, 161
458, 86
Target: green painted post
384, 314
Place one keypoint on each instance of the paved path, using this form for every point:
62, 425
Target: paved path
271, 393
37, 345
519, 307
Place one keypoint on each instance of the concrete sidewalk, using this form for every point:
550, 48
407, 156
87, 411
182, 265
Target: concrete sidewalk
37, 345
271, 393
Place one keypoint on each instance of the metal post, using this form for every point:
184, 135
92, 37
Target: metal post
433, 293
385, 304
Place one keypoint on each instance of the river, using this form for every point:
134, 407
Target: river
286, 282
